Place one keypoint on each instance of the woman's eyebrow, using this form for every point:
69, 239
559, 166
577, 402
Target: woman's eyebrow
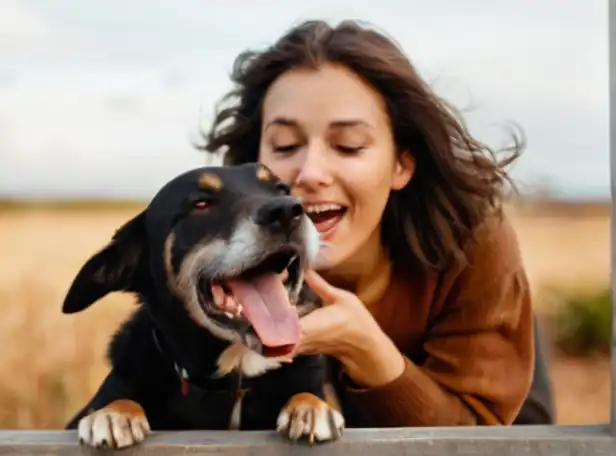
350, 123
284, 121
344, 123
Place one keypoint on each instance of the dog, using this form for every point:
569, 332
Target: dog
216, 260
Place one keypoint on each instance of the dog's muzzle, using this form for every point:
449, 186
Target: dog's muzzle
260, 274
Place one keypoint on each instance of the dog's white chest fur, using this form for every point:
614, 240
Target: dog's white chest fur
238, 357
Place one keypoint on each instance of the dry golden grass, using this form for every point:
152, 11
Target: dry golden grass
565, 247
51, 363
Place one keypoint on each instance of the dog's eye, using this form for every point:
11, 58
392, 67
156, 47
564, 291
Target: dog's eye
283, 188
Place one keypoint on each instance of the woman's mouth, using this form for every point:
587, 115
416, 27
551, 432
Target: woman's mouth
325, 216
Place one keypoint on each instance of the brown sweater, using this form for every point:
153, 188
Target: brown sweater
466, 334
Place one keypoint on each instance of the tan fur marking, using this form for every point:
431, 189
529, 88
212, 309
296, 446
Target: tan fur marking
183, 286
125, 407
238, 357
210, 181
263, 174
168, 258
304, 400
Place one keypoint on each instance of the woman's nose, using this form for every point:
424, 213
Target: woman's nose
314, 169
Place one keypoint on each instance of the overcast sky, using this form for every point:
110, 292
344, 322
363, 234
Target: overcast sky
92, 90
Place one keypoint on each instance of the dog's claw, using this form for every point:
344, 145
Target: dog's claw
307, 415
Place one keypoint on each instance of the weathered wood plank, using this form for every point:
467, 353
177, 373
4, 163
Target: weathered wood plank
506, 441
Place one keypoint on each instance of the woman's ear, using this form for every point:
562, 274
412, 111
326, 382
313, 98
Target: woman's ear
404, 169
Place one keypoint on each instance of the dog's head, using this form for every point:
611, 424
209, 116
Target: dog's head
227, 243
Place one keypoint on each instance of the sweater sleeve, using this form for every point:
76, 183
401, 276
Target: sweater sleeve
479, 348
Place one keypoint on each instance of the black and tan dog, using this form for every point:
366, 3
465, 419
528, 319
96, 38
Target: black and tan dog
216, 260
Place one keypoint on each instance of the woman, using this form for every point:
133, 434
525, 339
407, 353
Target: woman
427, 308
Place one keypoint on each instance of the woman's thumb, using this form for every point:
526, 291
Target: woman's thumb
319, 285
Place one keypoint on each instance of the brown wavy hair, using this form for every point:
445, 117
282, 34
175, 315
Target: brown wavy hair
457, 180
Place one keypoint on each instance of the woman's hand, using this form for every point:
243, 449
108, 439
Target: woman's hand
345, 329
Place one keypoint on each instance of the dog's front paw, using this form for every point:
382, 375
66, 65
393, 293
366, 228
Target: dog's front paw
120, 424
307, 415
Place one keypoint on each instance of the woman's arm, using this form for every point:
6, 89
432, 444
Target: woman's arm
480, 357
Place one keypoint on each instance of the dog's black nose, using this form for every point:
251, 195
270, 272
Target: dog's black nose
283, 213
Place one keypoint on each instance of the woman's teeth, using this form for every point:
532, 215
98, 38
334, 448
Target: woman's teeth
325, 216
318, 208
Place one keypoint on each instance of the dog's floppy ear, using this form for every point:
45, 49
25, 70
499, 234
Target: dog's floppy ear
117, 267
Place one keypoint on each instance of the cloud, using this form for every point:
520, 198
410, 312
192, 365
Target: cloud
20, 24
124, 85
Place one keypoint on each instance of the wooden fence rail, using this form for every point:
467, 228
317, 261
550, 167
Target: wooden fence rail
500, 441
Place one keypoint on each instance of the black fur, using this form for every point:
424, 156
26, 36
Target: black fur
161, 334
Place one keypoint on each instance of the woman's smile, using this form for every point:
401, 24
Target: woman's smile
326, 216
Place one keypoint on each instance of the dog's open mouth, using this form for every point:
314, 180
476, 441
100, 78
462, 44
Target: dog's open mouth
259, 299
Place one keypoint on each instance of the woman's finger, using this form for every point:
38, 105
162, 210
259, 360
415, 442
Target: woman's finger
313, 327
319, 285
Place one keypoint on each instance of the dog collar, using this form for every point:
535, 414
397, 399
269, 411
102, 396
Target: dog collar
182, 372
184, 378
240, 392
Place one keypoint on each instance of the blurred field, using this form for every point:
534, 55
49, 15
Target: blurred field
51, 363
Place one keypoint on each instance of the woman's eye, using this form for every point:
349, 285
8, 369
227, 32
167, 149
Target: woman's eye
286, 148
349, 150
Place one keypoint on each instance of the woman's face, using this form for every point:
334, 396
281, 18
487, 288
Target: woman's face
327, 134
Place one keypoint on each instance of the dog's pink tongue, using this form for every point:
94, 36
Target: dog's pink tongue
266, 305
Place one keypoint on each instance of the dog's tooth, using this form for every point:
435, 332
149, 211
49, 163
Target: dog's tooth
229, 314
231, 304
238, 310
227, 305
219, 295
